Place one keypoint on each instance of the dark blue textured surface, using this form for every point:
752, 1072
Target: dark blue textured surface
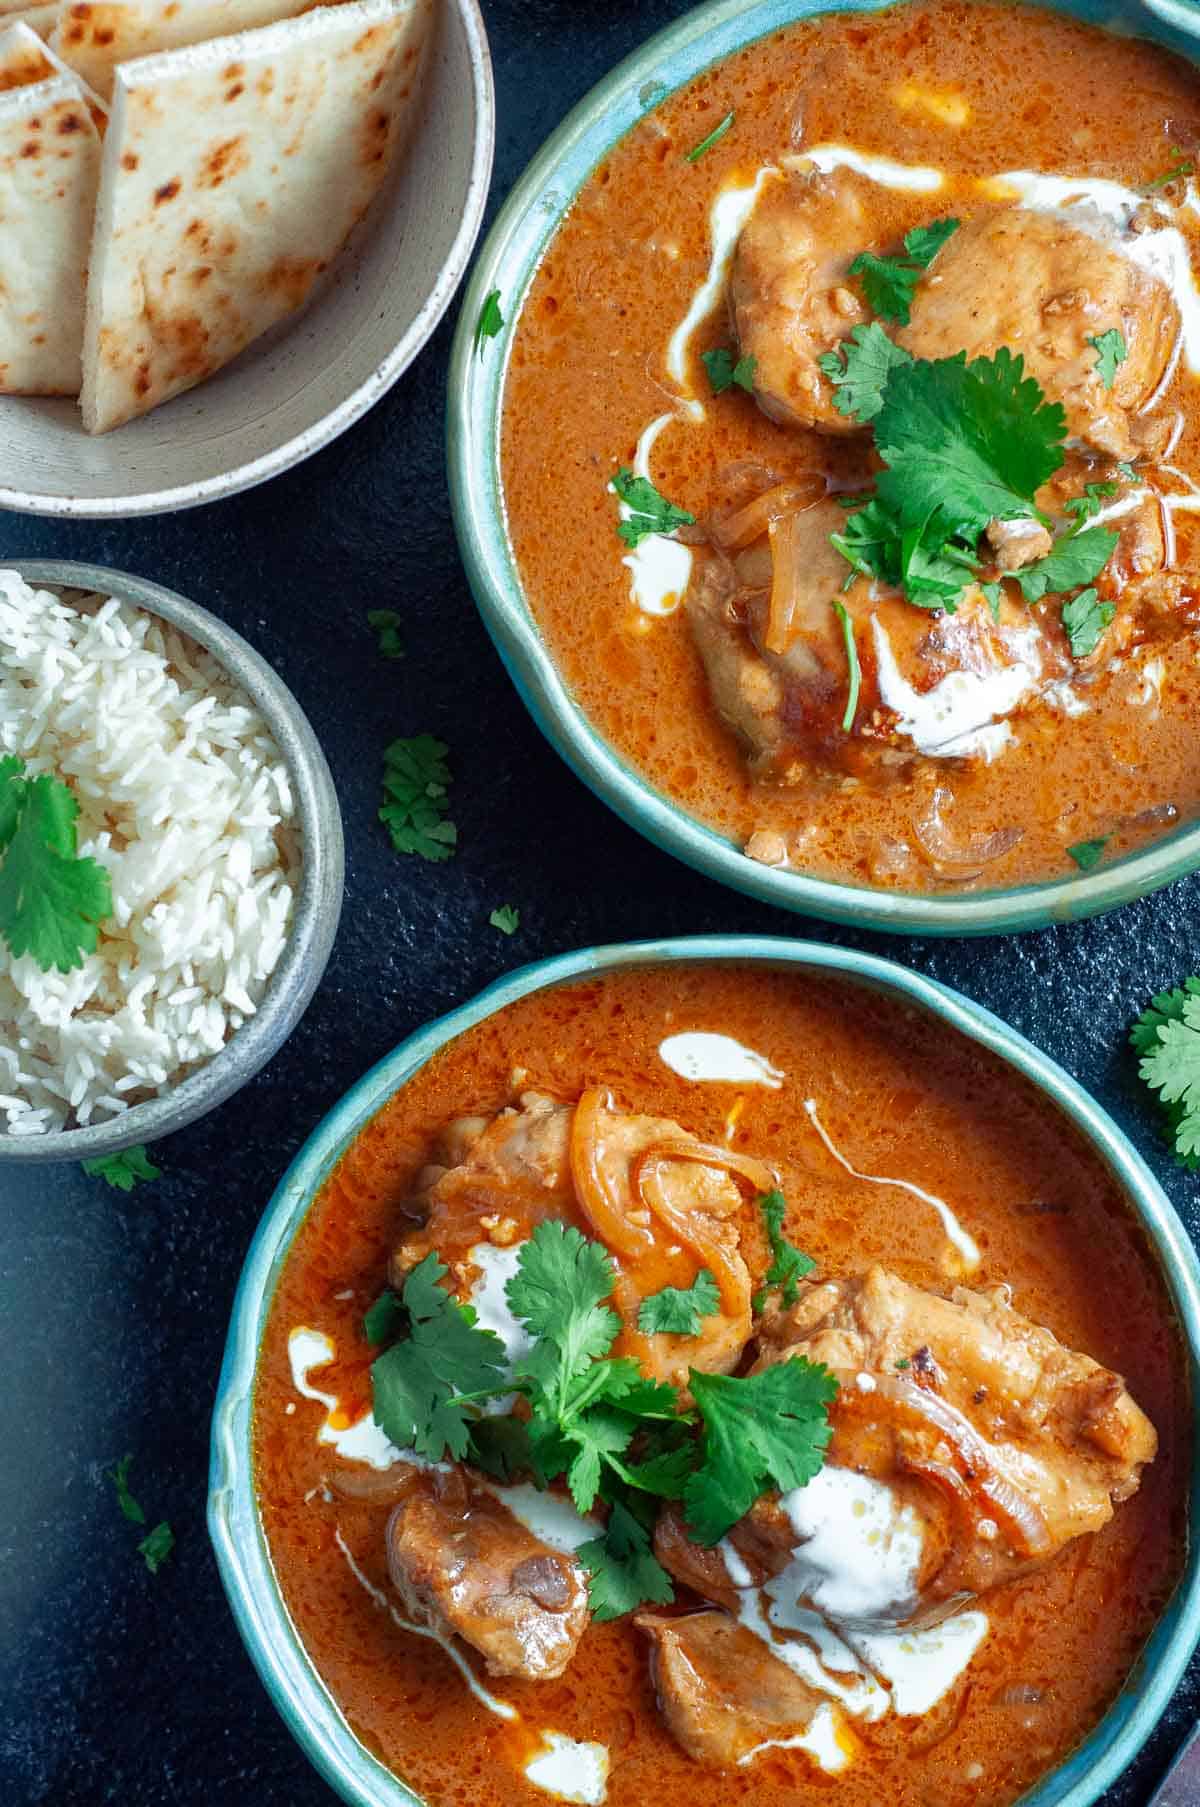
116, 1687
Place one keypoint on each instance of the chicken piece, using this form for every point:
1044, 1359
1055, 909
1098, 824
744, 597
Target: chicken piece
1045, 284
720, 1690
1016, 1443
462, 1563
664, 1204
790, 293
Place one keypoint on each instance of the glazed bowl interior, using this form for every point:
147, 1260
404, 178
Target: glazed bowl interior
508, 262
234, 1522
318, 901
312, 377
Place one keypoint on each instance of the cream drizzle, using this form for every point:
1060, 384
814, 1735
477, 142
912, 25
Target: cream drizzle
957, 716
363, 1441
883, 170
500, 1708
730, 211
661, 567
707, 1058
965, 1245
570, 1768
820, 1740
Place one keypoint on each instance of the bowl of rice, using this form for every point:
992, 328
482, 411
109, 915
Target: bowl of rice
171, 861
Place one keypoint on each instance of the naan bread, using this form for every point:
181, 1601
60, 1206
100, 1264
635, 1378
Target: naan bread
38, 18
49, 167
93, 36
23, 57
233, 174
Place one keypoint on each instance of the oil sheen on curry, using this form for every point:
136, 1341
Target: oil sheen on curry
715, 1384
850, 449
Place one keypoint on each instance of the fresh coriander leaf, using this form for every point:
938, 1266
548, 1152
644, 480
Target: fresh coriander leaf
1086, 854
852, 664
1168, 1037
386, 624
1084, 620
558, 1292
123, 1171
507, 919
890, 283
51, 902
870, 542
859, 370
624, 1571
415, 780
385, 1319
1111, 352
723, 371
649, 512
12, 791
664, 1474
501, 1447
1126, 470
490, 321
1075, 559
597, 1436
991, 595
903, 1363
772, 1428
1091, 501
118, 1474
788, 1264
714, 137
156, 1546
417, 1385
965, 444
1184, 167
677, 1311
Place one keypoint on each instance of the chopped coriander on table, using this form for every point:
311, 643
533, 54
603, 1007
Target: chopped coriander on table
386, 624
679, 1311
51, 901
490, 321
1111, 352
416, 779
1167, 1036
714, 137
890, 283
591, 1417
156, 1546
125, 1170
649, 512
1085, 619
158, 1543
1086, 854
118, 1474
724, 373
507, 919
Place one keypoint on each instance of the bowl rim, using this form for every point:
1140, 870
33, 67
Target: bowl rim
318, 904
508, 261
243, 1559
373, 387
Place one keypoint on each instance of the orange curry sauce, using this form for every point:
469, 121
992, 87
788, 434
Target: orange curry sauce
587, 374
900, 1096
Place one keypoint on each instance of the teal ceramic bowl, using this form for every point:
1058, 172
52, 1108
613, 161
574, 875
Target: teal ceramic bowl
242, 1554
508, 262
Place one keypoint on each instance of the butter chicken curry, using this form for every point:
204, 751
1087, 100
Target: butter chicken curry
850, 451
714, 1384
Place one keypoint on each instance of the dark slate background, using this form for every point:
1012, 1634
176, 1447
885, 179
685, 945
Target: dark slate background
119, 1687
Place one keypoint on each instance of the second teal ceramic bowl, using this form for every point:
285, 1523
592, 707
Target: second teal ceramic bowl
234, 1524
508, 262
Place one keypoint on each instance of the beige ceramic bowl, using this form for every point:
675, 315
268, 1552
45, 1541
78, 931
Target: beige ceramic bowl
311, 378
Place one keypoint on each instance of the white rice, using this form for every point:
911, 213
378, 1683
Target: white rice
184, 798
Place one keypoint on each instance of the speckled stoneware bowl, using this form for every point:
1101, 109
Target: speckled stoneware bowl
309, 379
508, 261
233, 1518
318, 902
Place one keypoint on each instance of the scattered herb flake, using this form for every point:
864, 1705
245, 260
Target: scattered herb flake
678, 1311
714, 137
1094, 496
1167, 1036
125, 1170
903, 1363
648, 511
1085, 619
859, 370
1184, 167
852, 664
118, 1474
415, 781
1111, 352
1086, 854
156, 1546
490, 321
386, 624
723, 371
51, 901
890, 283
507, 919
788, 1264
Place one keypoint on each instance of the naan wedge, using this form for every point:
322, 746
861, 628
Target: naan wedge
93, 36
233, 174
23, 57
38, 18
49, 168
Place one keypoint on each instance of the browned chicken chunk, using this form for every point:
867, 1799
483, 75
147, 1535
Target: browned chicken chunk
1046, 284
462, 1563
1015, 1444
719, 1688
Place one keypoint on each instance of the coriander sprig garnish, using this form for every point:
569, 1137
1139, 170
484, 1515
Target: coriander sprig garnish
1167, 1036
594, 1418
51, 901
890, 283
649, 512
